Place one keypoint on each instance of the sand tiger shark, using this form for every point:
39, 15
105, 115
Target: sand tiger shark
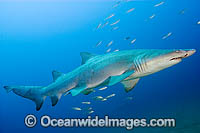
126, 67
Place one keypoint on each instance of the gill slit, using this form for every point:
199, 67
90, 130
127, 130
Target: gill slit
140, 63
136, 66
139, 66
145, 62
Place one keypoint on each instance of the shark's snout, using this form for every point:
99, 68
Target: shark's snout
180, 54
189, 53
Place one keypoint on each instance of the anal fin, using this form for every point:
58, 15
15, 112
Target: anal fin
129, 84
55, 99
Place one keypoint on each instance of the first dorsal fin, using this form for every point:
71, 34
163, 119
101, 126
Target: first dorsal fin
86, 56
56, 74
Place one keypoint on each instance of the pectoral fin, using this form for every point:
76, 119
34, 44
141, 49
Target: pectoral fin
78, 90
115, 79
129, 84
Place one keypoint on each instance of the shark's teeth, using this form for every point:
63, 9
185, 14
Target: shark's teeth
179, 57
176, 58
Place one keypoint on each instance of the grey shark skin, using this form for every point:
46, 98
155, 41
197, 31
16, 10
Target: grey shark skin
126, 67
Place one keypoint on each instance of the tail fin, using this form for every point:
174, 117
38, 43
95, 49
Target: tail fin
33, 93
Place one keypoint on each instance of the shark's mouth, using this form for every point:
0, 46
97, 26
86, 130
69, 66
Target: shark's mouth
179, 58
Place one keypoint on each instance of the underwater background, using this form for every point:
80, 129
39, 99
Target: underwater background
37, 37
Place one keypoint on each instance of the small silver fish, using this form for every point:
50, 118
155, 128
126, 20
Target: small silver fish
116, 50
76, 108
99, 43
168, 35
198, 22
90, 112
108, 50
133, 41
115, 28
112, 15
103, 88
106, 23
110, 43
116, 22
66, 93
86, 102
104, 99
130, 10
98, 26
98, 98
112, 95
117, 4
151, 17
159, 4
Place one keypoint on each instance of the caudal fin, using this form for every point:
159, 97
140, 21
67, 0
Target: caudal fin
33, 93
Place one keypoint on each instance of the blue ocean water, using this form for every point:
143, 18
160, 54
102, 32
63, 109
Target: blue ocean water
37, 37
